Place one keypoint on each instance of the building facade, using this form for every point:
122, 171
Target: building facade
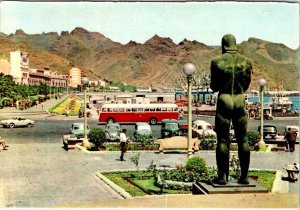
74, 77
19, 66
45, 76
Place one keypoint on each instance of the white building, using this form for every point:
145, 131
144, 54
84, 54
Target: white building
19, 66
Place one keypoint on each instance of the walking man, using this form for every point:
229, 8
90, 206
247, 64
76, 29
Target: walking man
123, 146
231, 76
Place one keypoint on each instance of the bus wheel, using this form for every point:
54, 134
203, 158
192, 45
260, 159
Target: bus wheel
153, 121
110, 120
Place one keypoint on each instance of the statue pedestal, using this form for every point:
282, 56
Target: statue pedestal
232, 186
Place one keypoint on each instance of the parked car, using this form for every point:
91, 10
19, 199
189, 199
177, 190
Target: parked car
78, 129
269, 131
142, 129
17, 122
203, 128
169, 128
112, 131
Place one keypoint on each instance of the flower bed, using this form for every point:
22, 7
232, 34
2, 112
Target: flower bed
141, 183
70, 106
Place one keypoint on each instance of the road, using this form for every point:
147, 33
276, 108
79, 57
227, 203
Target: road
48, 130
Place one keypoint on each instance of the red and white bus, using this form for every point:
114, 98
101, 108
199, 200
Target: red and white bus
152, 113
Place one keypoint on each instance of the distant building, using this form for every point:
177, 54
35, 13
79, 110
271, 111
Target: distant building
45, 76
144, 90
74, 77
19, 67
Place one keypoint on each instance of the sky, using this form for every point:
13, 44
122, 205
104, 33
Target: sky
205, 22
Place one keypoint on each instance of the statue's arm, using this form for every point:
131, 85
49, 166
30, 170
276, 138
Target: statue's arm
213, 76
247, 76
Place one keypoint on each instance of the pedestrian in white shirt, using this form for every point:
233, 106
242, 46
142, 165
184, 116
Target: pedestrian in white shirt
123, 141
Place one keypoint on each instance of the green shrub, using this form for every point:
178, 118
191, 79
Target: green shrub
208, 143
196, 164
252, 137
97, 136
144, 140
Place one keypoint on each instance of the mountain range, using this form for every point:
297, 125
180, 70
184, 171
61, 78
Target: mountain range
157, 62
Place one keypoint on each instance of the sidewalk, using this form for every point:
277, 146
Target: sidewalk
264, 200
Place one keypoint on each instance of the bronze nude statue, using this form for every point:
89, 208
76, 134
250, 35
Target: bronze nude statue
231, 76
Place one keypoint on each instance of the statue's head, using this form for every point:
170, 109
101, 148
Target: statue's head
229, 44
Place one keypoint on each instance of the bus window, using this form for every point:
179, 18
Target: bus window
146, 110
163, 109
140, 109
134, 109
122, 110
116, 109
175, 109
128, 110
104, 110
158, 109
152, 109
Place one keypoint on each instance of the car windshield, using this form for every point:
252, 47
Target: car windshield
79, 126
143, 127
269, 129
205, 127
113, 127
171, 126
144, 131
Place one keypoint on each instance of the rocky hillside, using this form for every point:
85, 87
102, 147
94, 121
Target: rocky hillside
158, 61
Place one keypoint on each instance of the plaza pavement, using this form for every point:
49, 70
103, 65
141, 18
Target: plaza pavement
46, 175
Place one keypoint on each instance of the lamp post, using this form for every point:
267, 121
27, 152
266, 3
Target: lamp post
86, 143
189, 70
261, 82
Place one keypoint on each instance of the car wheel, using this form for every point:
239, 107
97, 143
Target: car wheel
153, 121
29, 125
110, 120
11, 125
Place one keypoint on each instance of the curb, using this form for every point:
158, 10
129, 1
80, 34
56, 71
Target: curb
277, 183
115, 187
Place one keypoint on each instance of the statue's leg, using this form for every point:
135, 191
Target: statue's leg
240, 122
222, 123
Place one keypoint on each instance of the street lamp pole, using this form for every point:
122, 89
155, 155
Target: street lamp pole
262, 82
86, 143
189, 70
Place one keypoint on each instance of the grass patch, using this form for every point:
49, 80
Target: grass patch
265, 178
141, 183
263, 149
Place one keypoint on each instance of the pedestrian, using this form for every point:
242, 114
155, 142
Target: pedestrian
123, 144
283, 113
3, 144
197, 111
42, 105
290, 138
181, 115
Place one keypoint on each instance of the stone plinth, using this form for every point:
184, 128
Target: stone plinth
232, 186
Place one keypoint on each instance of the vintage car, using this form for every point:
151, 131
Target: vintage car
78, 129
204, 128
17, 122
142, 129
269, 131
112, 131
169, 128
